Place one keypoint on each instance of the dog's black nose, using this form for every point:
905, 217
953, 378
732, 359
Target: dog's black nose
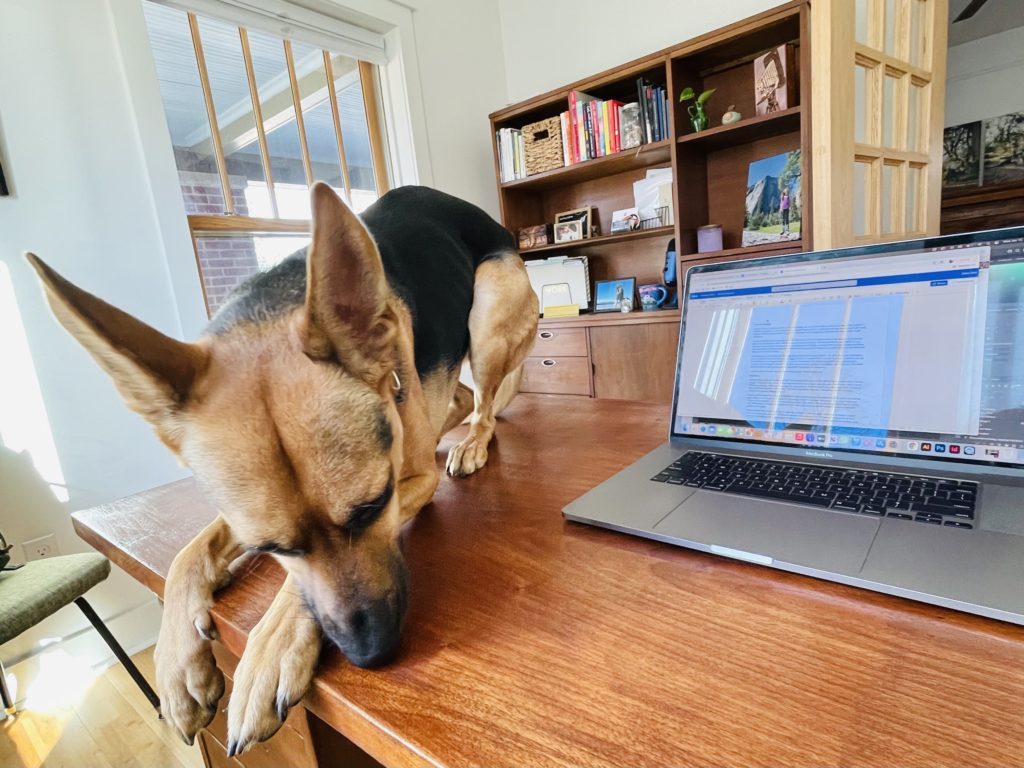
371, 633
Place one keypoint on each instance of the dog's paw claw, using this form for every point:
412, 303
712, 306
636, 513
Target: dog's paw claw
273, 675
466, 457
204, 626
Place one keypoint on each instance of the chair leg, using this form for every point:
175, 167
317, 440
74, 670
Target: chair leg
123, 657
5, 693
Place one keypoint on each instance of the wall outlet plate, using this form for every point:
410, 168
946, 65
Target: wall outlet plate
41, 548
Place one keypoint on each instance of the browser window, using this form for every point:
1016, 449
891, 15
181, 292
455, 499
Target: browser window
901, 351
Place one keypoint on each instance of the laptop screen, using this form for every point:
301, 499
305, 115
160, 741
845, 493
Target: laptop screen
913, 349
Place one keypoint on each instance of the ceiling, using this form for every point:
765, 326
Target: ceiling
995, 16
185, 108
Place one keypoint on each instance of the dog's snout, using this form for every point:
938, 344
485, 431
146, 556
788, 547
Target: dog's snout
370, 635
368, 630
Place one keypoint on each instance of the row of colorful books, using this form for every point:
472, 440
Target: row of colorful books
511, 154
593, 127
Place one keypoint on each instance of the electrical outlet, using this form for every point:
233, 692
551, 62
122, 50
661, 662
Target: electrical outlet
41, 548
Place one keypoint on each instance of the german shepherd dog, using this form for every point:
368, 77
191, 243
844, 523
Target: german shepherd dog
309, 412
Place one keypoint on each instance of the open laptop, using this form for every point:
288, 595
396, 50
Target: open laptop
855, 415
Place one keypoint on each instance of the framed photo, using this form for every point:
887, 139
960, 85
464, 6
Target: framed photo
567, 231
773, 205
625, 220
582, 215
615, 295
961, 155
1004, 160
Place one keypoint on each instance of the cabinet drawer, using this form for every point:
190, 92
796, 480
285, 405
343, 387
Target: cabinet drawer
556, 375
560, 342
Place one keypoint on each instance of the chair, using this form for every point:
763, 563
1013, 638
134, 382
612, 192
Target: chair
42, 587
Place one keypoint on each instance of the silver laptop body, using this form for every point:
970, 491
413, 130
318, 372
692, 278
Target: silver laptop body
876, 373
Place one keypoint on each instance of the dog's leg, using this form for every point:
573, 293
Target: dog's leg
502, 324
459, 408
275, 671
187, 678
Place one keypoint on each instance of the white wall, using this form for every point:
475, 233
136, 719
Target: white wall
462, 72
82, 200
985, 77
549, 44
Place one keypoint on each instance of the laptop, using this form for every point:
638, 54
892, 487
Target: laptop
855, 415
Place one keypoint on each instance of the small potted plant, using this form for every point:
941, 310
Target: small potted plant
698, 117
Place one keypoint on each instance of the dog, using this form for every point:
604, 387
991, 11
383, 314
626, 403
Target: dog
310, 411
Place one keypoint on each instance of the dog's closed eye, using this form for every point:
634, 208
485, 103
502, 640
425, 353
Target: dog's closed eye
364, 514
277, 549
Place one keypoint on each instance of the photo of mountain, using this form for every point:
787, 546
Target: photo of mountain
773, 200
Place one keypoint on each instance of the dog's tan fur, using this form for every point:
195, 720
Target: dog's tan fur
281, 423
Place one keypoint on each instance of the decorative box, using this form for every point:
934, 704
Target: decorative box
542, 145
536, 236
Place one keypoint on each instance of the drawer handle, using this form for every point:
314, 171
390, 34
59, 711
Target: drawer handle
547, 335
547, 363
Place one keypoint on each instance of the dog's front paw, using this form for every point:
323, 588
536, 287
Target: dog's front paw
273, 675
187, 677
467, 457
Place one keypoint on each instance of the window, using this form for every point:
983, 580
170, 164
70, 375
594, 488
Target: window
254, 120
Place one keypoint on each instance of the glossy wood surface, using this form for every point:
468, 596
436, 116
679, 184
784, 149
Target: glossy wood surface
533, 641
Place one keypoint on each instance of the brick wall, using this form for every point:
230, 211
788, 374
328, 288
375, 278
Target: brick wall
224, 262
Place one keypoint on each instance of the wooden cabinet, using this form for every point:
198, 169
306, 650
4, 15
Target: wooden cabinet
634, 362
626, 357
632, 356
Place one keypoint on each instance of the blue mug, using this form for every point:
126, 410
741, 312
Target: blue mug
652, 297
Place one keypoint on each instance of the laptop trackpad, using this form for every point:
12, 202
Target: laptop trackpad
814, 538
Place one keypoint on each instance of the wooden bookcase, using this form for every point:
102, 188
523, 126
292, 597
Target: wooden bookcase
632, 356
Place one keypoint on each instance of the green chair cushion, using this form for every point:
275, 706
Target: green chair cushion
42, 587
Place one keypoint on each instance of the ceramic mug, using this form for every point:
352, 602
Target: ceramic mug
652, 297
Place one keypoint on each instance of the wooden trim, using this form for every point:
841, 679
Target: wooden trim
832, 89
297, 103
891, 63
211, 114
869, 150
934, 108
368, 82
199, 271
332, 98
593, 320
227, 225
257, 112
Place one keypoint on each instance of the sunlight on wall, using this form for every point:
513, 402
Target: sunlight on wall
24, 425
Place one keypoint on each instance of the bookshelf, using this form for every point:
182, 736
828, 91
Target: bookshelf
632, 356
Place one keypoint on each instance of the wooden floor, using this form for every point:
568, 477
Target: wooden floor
110, 725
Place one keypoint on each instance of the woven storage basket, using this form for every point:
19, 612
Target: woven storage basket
542, 144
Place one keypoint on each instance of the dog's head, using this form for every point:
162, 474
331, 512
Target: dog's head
288, 421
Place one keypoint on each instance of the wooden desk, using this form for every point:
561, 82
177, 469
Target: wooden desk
532, 641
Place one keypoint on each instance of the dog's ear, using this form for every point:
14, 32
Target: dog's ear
346, 318
154, 373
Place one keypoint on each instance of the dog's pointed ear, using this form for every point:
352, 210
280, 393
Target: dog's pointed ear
153, 372
347, 318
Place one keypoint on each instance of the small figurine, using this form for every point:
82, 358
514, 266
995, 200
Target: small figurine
731, 116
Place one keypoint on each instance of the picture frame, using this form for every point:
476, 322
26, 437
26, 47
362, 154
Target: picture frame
568, 231
625, 220
773, 209
617, 295
583, 215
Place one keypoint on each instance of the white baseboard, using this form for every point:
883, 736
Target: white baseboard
135, 629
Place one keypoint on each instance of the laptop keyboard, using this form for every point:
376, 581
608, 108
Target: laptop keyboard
937, 501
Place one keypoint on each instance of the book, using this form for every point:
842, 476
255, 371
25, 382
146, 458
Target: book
563, 120
578, 101
630, 130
